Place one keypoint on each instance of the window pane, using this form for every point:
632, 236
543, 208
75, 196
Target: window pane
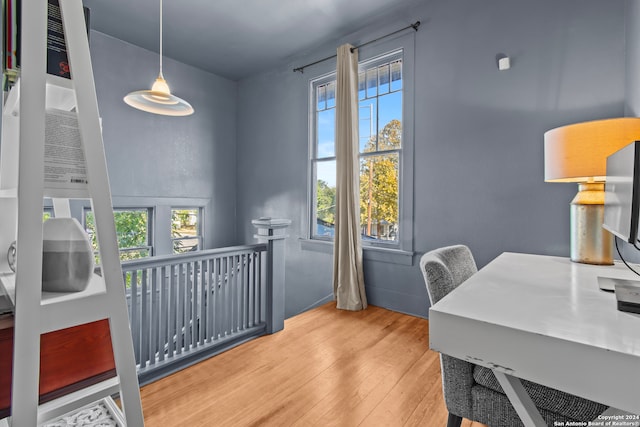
131, 228
185, 229
396, 75
383, 79
331, 95
390, 121
379, 191
372, 82
361, 85
326, 133
367, 125
325, 198
132, 231
321, 97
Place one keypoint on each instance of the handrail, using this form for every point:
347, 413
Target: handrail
159, 260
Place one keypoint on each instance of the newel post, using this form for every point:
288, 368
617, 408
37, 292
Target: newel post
272, 232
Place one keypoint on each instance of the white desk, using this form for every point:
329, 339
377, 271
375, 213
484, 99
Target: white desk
544, 319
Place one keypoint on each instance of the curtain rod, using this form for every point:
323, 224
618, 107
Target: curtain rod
414, 26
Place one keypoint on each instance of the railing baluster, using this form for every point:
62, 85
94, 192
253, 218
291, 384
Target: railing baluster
245, 291
211, 300
250, 290
240, 293
247, 287
188, 283
180, 314
155, 323
261, 284
255, 282
173, 308
186, 307
217, 297
234, 294
164, 313
243, 281
202, 329
144, 320
127, 292
193, 315
135, 319
221, 296
188, 327
220, 309
224, 301
228, 298
252, 284
256, 286
247, 279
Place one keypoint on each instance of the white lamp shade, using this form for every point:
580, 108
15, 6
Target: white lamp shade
578, 152
159, 100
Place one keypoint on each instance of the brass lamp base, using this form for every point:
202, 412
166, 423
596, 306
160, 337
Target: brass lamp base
590, 243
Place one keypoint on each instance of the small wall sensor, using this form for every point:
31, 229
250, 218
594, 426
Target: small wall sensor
504, 62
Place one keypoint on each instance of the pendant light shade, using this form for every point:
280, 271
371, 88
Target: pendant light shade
159, 99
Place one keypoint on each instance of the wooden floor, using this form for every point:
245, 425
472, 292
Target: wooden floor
326, 368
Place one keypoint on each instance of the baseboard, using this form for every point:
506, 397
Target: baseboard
318, 303
395, 301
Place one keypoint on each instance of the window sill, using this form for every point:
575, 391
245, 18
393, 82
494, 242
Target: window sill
370, 253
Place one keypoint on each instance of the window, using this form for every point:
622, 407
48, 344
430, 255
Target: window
186, 229
133, 230
380, 97
47, 213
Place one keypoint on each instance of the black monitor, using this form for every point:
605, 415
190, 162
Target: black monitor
622, 193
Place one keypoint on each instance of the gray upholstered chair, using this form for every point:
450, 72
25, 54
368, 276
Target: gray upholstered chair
472, 391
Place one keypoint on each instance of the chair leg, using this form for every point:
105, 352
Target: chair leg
454, 420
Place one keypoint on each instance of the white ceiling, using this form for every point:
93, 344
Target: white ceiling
235, 38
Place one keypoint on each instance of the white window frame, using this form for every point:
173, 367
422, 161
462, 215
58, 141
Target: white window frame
401, 251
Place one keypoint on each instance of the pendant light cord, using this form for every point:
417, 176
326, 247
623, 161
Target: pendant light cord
161, 39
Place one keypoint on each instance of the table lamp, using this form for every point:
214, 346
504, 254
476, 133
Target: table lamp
578, 153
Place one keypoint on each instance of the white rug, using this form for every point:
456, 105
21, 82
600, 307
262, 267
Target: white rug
94, 415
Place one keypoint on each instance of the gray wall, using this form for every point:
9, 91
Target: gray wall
479, 175
162, 161
632, 26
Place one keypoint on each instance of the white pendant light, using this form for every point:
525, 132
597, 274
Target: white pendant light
159, 99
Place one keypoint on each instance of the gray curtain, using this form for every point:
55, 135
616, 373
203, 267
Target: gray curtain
348, 277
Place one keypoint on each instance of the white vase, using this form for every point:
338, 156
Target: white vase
67, 256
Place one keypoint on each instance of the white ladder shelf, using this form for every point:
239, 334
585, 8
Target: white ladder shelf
22, 189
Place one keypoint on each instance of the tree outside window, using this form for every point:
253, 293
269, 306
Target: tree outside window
132, 230
379, 185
